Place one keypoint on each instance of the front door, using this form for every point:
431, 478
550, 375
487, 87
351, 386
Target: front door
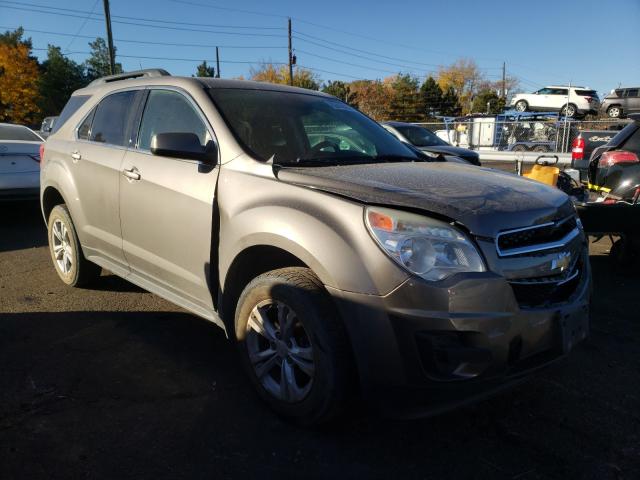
166, 204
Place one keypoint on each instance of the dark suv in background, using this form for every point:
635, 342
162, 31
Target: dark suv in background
334, 256
621, 102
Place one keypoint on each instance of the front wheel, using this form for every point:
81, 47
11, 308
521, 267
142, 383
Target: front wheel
293, 345
66, 252
614, 112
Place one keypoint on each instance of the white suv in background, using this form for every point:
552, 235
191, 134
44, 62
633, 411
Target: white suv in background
569, 101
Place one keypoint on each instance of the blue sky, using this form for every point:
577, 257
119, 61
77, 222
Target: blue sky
543, 42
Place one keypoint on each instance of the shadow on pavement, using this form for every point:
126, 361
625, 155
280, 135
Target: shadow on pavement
22, 226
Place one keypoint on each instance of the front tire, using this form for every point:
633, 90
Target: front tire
66, 252
614, 111
293, 345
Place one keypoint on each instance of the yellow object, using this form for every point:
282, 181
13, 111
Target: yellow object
596, 188
544, 173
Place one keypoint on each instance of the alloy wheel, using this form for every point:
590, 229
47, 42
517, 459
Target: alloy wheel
62, 246
280, 351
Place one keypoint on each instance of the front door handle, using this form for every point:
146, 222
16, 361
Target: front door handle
76, 156
132, 174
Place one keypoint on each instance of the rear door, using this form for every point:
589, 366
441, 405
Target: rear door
95, 161
558, 98
166, 204
632, 100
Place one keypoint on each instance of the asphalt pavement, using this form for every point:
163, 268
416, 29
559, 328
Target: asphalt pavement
113, 383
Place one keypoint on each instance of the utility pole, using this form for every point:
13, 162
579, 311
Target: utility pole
217, 64
112, 56
504, 79
291, 61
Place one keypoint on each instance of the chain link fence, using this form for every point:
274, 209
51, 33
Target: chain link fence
525, 135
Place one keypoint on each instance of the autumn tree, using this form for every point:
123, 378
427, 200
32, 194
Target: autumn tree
18, 80
371, 97
98, 63
302, 77
464, 77
60, 77
204, 70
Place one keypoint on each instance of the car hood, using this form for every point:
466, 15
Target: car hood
483, 200
451, 150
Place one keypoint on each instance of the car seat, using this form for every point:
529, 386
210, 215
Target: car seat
544, 172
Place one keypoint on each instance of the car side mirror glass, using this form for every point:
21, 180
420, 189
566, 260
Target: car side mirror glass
183, 145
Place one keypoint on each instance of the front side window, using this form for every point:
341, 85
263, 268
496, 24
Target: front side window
111, 119
544, 91
300, 128
168, 111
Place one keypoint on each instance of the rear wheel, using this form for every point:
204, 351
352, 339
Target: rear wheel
540, 148
569, 110
521, 106
293, 345
66, 252
614, 111
519, 148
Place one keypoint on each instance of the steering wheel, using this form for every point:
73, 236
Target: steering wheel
324, 144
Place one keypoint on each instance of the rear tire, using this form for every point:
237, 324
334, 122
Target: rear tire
569, 111
540, 148
293, 345
521, 106
66, 251
519, 148
614, 111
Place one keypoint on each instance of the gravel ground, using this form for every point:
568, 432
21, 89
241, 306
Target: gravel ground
113, 382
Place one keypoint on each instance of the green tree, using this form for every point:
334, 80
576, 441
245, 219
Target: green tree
337, 88
406, 104
205, 70
450, 103
487, 96
14, 38
431, 94
59, 77
97, 64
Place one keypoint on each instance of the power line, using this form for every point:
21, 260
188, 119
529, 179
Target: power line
146, 42
143, 19
84, 22
350, 64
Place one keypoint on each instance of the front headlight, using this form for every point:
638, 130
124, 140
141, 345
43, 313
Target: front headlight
429, 248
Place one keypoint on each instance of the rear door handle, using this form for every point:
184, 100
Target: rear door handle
132, 174
76, 156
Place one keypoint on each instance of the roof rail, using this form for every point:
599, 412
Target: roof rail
149, 73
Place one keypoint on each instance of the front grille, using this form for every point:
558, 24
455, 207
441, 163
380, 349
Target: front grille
537, 237
545, 291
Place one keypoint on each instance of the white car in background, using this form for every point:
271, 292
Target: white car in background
19, 162
569, 101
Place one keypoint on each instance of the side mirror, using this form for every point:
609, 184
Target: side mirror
183, 145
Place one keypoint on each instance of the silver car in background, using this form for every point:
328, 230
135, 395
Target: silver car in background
19, 162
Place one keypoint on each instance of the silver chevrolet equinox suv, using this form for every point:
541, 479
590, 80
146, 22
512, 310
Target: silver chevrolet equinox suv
341, 262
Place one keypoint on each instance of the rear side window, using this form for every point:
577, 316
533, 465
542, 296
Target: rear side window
169, 112
633, 143
84, 130
587, 93
111, 119
72, 106
632, 92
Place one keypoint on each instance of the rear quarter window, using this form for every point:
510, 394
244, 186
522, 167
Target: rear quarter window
72, 106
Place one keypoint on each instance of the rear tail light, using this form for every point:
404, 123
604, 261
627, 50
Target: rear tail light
577, 148
617, 157
41, 153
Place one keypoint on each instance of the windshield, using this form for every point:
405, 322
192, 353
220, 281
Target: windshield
19, 133
299, 128
420, 137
